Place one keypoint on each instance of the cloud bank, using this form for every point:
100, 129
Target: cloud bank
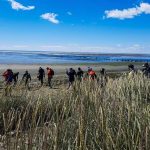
129, 13
51, 17
18, 6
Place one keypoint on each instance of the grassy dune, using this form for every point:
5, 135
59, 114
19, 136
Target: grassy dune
88, 116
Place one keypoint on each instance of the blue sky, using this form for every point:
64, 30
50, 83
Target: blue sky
75, 25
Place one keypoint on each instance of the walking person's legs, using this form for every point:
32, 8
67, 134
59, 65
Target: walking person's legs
70, 84
15, 82
27, 84
49, 82
8, 89
42, 81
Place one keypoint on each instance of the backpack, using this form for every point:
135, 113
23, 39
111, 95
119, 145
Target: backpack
92, 74
52, 72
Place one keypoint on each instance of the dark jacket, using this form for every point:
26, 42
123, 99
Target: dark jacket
71, 74
41, 73
26, 76
80, 74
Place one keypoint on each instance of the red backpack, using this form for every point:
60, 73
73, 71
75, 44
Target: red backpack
52, 72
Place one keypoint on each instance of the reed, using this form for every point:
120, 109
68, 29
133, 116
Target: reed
87, 117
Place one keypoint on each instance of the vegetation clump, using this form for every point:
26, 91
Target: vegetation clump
115, 116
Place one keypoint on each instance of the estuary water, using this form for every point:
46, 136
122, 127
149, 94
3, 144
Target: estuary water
40, 57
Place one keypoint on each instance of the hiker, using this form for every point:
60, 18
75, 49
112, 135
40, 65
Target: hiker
92, 75
103, 72
71, 75
86, 75
131, 70
103, 77
27, 78
41, 75
8, 75
89, 69
146, 69
131, 67
80, 74
50, 74
15, 77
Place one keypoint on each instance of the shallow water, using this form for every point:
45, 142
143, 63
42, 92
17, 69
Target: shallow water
37, 57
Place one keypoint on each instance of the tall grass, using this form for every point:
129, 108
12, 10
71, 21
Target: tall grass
116, 116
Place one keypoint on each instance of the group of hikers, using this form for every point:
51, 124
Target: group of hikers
145, 69
80, 75
12, 78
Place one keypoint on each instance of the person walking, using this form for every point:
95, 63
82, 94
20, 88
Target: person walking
103, 77
91, 73
146, 70
131, 70
71, 75
41, 75
8, 76
50, 74
103, 72
80, 74
15, 77
27, 78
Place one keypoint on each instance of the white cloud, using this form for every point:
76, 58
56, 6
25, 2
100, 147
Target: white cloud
129, 13
18, 6
145, 8
51, 17
69, 13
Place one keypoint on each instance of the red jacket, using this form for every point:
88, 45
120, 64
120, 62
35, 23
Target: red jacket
92, 74
6, 75
50, 72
